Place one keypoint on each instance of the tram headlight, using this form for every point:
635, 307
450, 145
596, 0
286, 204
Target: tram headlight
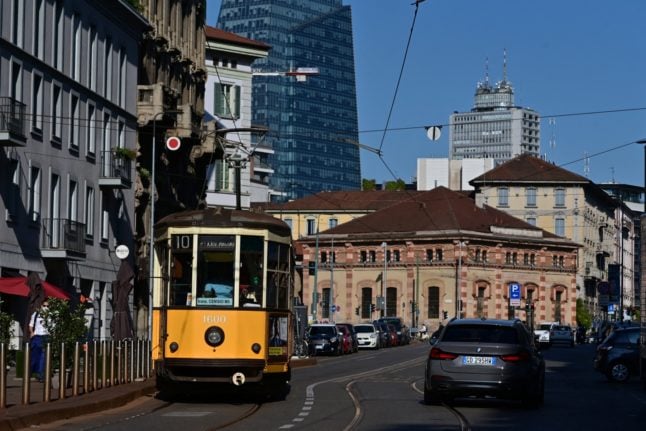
214, 336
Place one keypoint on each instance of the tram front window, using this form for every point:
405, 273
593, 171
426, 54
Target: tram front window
180, 279
215, 271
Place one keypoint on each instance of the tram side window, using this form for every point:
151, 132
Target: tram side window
251, 271
180, 279
215, 278
278, 276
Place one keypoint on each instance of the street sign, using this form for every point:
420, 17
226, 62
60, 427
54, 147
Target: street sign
514, 294
173, 143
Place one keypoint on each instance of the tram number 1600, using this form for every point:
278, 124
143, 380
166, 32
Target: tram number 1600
182, 242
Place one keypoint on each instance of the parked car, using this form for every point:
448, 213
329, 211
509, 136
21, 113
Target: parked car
367, 335
324, 338
542, 334
562, 334
482, 357
346, 340
618, 355
353, 335
403, 333
384, 333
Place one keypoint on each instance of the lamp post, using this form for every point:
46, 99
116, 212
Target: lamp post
458, 279
151, 247
382, 310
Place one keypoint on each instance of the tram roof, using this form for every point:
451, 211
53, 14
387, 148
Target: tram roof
224, 217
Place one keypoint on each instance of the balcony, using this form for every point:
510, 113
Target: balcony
63, 239
154, 99
116, 170
12, 123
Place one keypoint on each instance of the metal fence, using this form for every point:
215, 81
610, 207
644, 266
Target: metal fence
89, 367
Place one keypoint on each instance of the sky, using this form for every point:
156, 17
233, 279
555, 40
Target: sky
581, 64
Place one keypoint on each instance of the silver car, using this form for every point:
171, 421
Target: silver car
367, 335
482, 357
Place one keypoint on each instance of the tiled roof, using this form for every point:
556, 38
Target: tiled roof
439, 209
226, 36
364, 201
529, 169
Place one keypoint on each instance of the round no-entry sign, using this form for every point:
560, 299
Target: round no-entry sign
173, 143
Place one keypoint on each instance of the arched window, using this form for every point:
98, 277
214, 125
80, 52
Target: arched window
433, 302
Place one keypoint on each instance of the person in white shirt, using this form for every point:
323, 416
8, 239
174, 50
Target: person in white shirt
38, 339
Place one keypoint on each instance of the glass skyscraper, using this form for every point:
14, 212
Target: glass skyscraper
308, 122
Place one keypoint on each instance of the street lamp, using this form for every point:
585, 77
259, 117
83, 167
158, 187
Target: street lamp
383, 280
458, 279
153, 192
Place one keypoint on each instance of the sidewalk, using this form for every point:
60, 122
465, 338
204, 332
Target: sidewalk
17, 415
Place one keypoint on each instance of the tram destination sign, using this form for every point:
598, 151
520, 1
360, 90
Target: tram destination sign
216, 242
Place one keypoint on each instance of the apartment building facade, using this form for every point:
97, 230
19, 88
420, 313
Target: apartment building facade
68, 121
573, 207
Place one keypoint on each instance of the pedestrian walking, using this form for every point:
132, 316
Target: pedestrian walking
38, 335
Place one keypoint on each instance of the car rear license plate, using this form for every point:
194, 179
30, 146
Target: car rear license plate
319, 346
479, 360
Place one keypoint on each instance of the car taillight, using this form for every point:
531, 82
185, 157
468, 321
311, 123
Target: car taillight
440, 354
516, 357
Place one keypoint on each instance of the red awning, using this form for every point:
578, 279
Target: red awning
18, 286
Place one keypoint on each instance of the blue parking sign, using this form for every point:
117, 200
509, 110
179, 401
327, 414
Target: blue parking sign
514, 294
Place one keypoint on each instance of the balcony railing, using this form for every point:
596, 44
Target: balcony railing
63, 238
12, 123
115, 170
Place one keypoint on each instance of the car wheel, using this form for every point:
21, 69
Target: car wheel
618, 372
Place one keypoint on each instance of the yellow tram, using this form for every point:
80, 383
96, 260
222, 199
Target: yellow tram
222, 299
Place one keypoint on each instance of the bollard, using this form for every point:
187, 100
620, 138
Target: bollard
26, 375
47, 378
112, 380
62, 374
104, 364
132, 360
94, 366
119, 362
86, 368
75, 370
3, 377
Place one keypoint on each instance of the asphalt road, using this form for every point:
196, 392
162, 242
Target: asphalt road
381, 390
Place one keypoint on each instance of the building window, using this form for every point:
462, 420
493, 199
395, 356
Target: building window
13, 195
503, 196
480, 302
105, 217
372, 255
89, 212
396, 255
508, 257
58, 36
38, 29
531, 196
363, 256
311, 226
559, 226
514, 258
91, 130
92, 57
16, 76
288, 222
56, 113
227, 100
324, 257
18, 20
34, 197
531, 220
333, 223
54, 210
429, 255
74, 122
107, 70
391, 301
366, 302
325, 303
387, 257
555, 261
433, 302
72, 201
439, 255
122, 77
37, 104
525, 258
532, 259
559, 197
484, 255
75, 48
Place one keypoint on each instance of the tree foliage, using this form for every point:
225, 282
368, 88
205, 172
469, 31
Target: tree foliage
583, 316
395, 185
65, 325
367, 184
